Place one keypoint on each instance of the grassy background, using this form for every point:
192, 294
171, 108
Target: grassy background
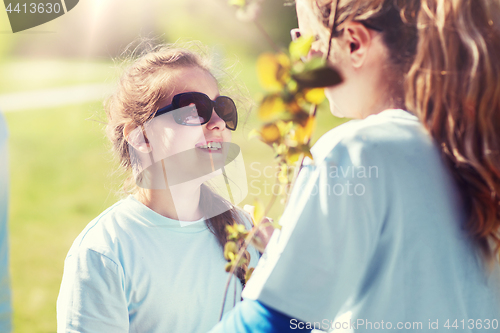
63, 175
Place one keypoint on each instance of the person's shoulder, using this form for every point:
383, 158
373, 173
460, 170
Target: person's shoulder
375, 137
101, 234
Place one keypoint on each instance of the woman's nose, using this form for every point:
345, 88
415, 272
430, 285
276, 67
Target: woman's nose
216, 122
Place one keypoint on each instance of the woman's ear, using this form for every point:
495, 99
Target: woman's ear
135, 137
359, 39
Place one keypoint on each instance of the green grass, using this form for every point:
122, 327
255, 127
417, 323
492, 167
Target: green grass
63, 176
60, 179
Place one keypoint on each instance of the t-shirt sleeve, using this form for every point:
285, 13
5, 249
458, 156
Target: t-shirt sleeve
252, 316
5, 293
329, 232
92, 297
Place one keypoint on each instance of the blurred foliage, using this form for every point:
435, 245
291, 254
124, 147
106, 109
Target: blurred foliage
105, 28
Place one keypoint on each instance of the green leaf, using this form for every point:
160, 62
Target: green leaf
239, 3
271, 106
270, 133
304, 133
314, 63
272, 70
318, 78
310, 64
300, 47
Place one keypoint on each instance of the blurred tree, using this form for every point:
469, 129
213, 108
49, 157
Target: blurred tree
98, 28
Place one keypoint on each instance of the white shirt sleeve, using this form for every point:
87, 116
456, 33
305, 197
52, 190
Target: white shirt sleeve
329, 233
92, 296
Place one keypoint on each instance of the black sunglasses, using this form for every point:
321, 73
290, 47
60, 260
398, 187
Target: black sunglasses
195, 109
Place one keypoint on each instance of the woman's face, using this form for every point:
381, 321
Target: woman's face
360, 55
183, 149
180, 138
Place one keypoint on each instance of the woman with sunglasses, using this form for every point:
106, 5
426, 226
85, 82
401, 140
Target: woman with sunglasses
154, 261
416, 246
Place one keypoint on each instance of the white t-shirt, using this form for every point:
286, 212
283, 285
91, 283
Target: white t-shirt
374, 229
133, 270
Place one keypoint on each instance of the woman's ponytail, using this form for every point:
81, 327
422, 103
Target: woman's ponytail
453, 86
217, 224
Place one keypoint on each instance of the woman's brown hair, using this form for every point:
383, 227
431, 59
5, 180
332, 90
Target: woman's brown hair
141, 88
446, 53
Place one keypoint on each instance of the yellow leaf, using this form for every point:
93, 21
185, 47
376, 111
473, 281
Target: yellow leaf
241, 228
273, 71
230, 249
283, 60
258, 212
271, 106
270, 133
315, 96
296, 153
293, 157
248, 274
300, 47
304, 133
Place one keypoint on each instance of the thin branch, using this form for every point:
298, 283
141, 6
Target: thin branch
234, 296
271, 202
238, 259
312, 113
267, 37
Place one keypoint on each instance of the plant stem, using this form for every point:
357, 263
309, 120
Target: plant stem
248, 239
231, 272
267, 37
271, 202
234, 296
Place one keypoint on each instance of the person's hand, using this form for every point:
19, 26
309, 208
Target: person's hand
264, 231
